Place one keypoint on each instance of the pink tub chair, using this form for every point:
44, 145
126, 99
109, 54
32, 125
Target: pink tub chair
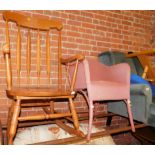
103, 83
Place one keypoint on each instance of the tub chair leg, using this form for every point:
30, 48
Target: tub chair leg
128, 102
91, 109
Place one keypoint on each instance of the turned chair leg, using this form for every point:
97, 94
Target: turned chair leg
10, 113
13, 122
90, 124
128, 102
74, 114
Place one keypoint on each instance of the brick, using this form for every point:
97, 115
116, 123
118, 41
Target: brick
88, 25
70, 45
85, 31
73, 22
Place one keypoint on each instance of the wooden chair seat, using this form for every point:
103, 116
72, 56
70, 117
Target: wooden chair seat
37, 92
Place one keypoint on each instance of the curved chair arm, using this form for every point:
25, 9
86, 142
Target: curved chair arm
141, 89
140, 53
1, 134
5, 49
77, 58
73, 58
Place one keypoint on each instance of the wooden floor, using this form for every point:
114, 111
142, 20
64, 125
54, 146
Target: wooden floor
77, 139
145, 135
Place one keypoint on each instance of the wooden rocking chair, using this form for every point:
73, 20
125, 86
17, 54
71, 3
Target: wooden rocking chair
28, 91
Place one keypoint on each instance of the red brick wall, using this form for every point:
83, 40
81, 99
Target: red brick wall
153, 31
90, 32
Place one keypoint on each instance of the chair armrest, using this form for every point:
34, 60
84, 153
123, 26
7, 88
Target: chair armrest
5, 49
141, 96
140, 53
150, 80
141, 89
73, 58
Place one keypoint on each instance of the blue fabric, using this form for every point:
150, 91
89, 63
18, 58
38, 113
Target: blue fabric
153, 89
135, 79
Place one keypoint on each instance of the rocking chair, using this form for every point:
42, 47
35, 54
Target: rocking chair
37, 85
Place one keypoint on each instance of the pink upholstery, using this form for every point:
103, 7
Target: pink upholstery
103, 83
107, 90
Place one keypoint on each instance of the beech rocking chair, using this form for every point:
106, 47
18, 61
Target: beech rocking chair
33, 88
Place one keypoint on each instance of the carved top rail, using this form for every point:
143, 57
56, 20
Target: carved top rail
33, 22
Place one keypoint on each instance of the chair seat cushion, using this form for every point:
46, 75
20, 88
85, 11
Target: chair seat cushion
37, 92
107, 90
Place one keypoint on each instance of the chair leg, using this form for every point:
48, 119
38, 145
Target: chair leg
52, 107
91, 109
128, 102
14, 122
109, 119
74, 114
91, 112
10, 113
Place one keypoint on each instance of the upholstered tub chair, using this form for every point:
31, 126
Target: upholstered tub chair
102, 83
142, 101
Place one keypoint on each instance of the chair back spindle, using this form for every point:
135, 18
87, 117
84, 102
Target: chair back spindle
18, 57
28, 60
7, 34
34, 29
74, 76
59, 62
38, 57
48, 68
